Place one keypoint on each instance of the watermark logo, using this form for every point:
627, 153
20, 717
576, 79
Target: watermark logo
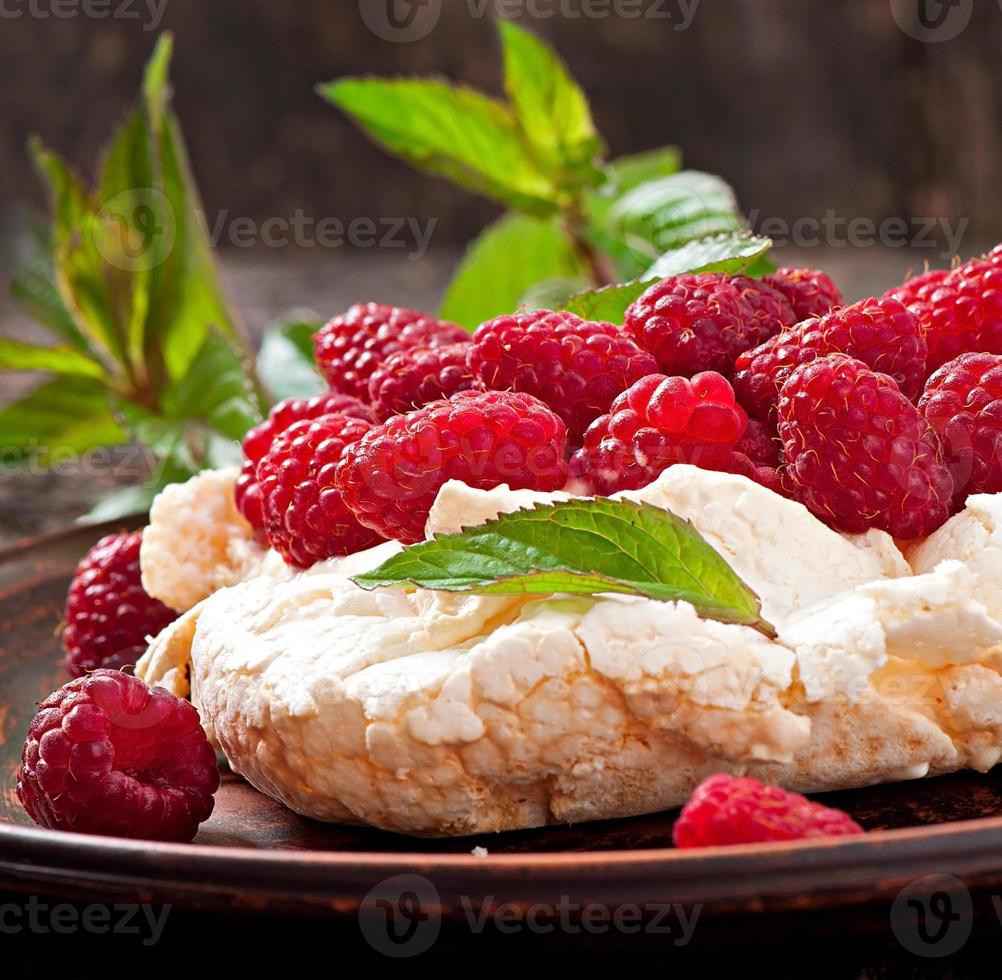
401, 21
39, 918
136, 230
933, 916
933, 21
401, 917
150, 12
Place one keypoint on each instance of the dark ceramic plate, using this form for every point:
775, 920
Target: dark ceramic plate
253, 854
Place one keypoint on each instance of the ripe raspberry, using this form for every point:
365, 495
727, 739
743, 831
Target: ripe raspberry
108, 613
390, 478
772, 310
760, 444
919, 288
769, 477
658, 422
412, 378
859, 454
960, 311
879, 332
727, 810
305, 517
811, 293
106, 754
695, 323
574, 366
963, 404
352, 346
258, 441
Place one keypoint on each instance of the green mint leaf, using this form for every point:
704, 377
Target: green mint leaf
449, 131
628, 172
731, 253
67, 361
551, 109
58, 420
506, 261
581, 547
285, 363
551, 294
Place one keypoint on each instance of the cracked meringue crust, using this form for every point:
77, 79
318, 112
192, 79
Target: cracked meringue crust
436, 713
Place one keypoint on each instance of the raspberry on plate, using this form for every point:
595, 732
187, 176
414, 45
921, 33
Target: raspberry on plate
811, 293
859, 454
961, 310
390, 478
881, 333
658, 422
353, 345
106, 754
575, 366
108, 613
695, 323
963, 404
412, 378
305, 516
726, 810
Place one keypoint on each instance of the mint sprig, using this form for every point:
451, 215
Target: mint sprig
580, 547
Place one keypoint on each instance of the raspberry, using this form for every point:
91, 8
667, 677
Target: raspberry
695, 323
960, 311
879, 332
574, 366
919, 288
963, 404
108, 613
727, 810
769, 477
352, 346
412, 378
258, 441
658, 422
305, 516
760, 444
859, 454
772, 310
106, 754
390, 478
809, 292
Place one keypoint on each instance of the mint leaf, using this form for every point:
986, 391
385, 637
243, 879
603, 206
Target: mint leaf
449, 131
581, 547
550, 108
730, 253
17, 356
285, 363
628, 172
509, 258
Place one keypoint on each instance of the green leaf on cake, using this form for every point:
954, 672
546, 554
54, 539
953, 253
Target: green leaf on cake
580, 547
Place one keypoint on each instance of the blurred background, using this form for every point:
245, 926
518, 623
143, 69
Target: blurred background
820, 114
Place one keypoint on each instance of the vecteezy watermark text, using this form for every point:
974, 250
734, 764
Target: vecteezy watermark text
152, 10
39, 918
833, 230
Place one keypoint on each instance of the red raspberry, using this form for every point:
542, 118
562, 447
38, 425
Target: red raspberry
305, 516
695, 323
960, 311
811, 293
390, 478
352, 346
574, 366
859, 454
108, 613
963, 403
879, 332
772, 310
106, 754
760, 444
920, 288
258, 441
658, 422
727, 810
769, 477
412, 378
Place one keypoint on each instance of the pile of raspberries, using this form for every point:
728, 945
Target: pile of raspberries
883, 414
